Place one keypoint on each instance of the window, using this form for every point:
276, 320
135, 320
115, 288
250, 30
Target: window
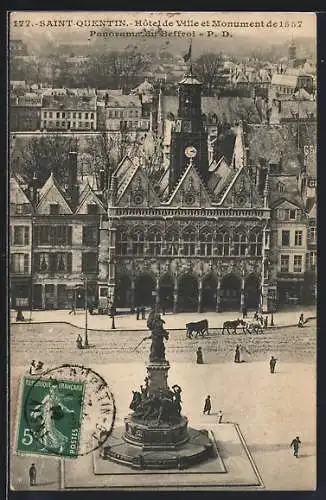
79, 116
206, 241
90, 236
312, 183
312, 232
74, 115
293, 214
280, 187
223, 243
285, 238
86, 124
86, 116
63, 115
172, 242
54, 209
63, 124
53, 235
57, 124
189, 241
138, 242
240, 243
298, 238
56, 262
21, 235
44, 123
155, 242
103, 292
50, 114
73, 124
121, 243
92, 116
20, 263
89, 262
57, 115
45, 114
92, 209
255, 243
297, 264
285, 263
313, 260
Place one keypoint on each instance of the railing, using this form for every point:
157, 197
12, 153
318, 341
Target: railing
170, 212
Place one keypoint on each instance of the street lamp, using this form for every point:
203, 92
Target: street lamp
113, 317
86, 313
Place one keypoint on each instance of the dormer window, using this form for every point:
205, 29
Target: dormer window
292, 214
54, 209
280, 187
92, 209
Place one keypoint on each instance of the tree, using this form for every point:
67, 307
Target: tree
41, 156
207, 67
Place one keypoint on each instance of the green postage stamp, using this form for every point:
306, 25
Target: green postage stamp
50, 417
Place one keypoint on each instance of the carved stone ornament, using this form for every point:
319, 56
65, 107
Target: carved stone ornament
138, 195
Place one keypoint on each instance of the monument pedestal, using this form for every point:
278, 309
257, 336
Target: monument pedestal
157, 373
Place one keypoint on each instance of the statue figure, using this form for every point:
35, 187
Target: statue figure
155, 324
177, 398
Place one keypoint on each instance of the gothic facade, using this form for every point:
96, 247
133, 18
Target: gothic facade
198, 241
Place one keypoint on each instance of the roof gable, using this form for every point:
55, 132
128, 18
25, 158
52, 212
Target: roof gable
286, 204
17, 194
88, 197
137, 190
190, 190
51, 194
241, 192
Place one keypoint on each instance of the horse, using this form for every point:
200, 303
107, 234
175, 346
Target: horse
232, 325
200, 328
253, 327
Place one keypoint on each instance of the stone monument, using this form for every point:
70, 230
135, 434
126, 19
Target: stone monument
156, 435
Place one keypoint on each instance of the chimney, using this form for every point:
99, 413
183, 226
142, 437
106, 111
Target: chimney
72, 177
102, 180
34, 190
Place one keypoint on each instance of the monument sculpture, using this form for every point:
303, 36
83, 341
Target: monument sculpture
156, 434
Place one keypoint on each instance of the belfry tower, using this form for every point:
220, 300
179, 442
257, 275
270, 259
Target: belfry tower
188, 136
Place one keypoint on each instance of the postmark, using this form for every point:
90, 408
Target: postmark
68, 411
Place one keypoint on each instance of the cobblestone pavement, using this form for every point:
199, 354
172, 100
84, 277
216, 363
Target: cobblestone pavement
270, 409
172, 321
56, 343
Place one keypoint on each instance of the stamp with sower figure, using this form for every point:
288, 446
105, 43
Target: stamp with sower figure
69, 411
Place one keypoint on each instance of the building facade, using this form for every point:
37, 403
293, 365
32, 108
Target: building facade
220, 235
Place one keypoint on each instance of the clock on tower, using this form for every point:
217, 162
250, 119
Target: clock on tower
188, 136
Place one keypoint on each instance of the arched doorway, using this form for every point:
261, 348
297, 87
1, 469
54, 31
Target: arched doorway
252, 292
188, 293
209, 293
123, 291
166, 292
144, 286
230, 293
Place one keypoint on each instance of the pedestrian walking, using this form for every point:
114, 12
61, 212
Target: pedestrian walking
237, 354
295, 445
256, 316
79, 342
137, 312
244, 312
207, 406
73, 309
272, 364
142, 310
199, 354
220, 416
32, 475
163, 308
266, 322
